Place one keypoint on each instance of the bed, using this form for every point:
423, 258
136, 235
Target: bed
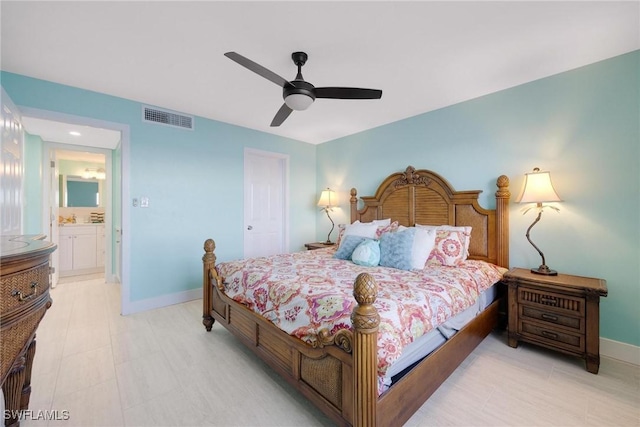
338, 371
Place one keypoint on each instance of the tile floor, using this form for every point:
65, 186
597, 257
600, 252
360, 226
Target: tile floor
160, 368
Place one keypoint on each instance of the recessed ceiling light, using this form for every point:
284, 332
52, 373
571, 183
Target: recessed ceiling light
75, 133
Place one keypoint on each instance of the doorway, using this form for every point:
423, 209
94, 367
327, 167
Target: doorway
80, 206
97, 137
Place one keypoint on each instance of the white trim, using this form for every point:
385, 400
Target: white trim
620, 351
125, 233
164, 300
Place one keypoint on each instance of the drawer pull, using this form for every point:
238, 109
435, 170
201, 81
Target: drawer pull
22, 297
548, 300
550, 334
551, 317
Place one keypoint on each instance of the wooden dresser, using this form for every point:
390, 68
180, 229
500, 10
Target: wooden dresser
558, 312
24, 299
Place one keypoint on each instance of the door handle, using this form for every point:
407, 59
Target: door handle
250, 227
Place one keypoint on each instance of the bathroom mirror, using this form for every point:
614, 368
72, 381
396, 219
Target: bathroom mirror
76, 191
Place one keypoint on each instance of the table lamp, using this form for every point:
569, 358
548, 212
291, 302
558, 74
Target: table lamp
538, 189
328, 200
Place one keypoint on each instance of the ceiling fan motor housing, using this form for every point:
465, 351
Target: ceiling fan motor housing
302, 91
300, 87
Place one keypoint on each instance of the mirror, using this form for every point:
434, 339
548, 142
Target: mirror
76, 191
81, 182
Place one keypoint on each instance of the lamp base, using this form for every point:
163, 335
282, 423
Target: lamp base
328, 242
543, 269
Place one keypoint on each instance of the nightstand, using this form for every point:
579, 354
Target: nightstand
318, 245
557, 312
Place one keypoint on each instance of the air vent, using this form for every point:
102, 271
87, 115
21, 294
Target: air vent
165, 117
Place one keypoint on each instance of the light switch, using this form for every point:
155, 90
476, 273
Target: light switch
135, 203
144, 202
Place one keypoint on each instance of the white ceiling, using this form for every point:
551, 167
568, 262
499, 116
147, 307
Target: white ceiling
53, 131
423, 55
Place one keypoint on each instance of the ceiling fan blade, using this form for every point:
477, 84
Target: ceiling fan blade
347, 93
281, 115
258, 69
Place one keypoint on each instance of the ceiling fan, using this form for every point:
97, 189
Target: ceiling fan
299, 94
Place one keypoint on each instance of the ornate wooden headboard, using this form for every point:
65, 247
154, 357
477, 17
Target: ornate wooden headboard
424, 197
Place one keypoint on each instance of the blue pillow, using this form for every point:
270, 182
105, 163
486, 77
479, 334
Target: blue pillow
347, 246
395, 249
367, 253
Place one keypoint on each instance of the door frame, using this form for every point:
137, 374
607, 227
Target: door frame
284, 158
125, 178
48, 208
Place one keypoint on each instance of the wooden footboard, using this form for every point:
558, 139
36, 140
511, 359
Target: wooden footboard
339, 375
324, 374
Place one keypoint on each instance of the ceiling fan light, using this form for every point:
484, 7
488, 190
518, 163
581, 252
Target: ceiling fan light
298, 101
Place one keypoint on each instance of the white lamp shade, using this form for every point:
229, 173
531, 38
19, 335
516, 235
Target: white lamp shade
538, 188
328, 198
298, 101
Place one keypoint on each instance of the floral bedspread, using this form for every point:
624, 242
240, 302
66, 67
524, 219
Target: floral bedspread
304, 292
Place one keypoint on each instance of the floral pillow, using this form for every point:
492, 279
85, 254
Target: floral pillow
451, 245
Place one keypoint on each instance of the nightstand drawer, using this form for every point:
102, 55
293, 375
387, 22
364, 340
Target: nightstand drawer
575, 323
553, 336
558, 302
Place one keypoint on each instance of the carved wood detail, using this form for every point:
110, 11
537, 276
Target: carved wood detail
411, 177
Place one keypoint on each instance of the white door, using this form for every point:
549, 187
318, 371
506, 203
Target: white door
11, 162
265, 203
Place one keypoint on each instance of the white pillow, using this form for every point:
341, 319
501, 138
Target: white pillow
362, 229
381, 221
423, 242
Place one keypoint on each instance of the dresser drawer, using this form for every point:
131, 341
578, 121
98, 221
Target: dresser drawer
16, 337
29, 283
576, 324
560, 303
552, 336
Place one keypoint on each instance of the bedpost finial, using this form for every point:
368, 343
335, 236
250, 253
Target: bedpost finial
209, 257
209, 245
503, 187
365, 317
365, 289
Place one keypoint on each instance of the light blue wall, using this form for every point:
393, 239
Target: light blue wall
194, 180
581, 125
32, 214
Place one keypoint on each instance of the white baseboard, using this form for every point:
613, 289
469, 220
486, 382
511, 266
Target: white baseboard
163, 301
620, 351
